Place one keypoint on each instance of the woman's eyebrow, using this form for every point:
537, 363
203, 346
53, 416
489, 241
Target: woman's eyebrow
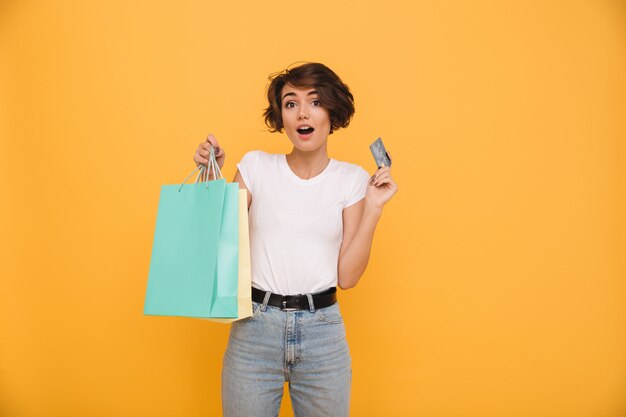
310, 93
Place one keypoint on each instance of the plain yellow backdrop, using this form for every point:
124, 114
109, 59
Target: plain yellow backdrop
496, 286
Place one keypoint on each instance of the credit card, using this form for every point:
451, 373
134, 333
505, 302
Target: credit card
380, 154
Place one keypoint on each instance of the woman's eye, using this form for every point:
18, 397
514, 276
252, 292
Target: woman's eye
317, 103
290, 104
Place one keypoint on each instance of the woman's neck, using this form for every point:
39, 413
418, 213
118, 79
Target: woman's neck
308, 164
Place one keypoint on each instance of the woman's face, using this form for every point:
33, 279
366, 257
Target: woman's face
305, 121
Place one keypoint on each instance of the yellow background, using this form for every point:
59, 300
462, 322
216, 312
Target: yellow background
496, 285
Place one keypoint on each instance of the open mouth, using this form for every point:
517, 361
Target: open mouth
305, 130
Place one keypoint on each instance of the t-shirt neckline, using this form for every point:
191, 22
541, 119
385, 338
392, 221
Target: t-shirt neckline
292, 175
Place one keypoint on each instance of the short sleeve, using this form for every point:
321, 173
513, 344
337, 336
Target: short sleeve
357, 186
247, 166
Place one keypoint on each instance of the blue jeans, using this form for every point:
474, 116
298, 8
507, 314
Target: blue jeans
306, 348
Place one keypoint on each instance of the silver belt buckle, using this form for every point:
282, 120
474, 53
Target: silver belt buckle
285, 307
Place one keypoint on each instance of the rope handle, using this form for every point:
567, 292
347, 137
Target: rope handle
204, 171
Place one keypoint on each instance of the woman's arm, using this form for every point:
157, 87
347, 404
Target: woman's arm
359, 224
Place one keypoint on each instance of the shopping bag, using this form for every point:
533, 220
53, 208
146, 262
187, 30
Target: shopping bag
193, 223
224, 297
244, 292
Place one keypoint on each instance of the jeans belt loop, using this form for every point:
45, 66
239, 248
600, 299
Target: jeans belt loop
311, 305
265, 301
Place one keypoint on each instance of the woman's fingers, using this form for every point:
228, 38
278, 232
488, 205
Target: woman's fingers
206, 147
382, 187
220, 155
208, 143
379, 174
383, 179
211, 139
204, 151
199, 160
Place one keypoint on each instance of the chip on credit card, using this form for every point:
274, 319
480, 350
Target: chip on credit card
380, 154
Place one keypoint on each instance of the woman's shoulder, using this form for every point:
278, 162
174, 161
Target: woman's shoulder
258, 156
348, 168
255, 164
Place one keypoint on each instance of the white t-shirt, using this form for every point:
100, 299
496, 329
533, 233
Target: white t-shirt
296, 225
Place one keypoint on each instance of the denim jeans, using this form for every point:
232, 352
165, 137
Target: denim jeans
306, 348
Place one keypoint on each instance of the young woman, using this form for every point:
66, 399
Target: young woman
312, 221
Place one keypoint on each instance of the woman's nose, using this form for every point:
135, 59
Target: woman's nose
302, 113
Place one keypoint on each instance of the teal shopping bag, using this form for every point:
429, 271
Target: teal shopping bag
225, 302
190, 268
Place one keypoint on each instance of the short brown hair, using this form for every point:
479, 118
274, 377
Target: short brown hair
334, 95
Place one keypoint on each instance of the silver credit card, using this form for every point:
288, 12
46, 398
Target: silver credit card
380, 154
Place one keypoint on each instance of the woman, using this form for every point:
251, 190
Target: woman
312, 221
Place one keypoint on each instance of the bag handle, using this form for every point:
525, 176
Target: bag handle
212, 165
204, 171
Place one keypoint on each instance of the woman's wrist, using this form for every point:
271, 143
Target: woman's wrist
373, 208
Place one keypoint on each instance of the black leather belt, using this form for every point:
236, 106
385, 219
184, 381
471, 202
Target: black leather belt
297, 302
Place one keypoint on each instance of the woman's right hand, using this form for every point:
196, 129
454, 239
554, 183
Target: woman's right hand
202, 153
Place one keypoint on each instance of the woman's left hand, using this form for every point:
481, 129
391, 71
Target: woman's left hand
381, 188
